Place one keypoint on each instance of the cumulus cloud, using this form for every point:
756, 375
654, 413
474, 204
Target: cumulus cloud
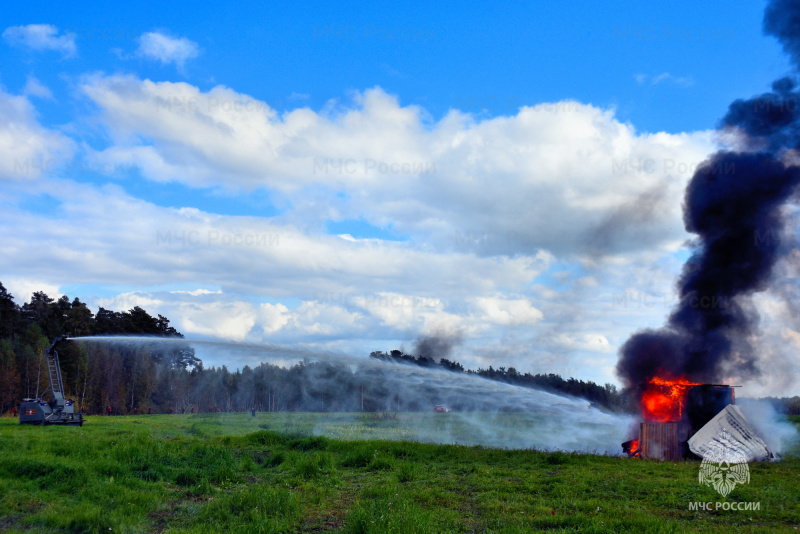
161, 47
41, 37
22, 288
404, 312
548, 178
509, 311
231, 321
194, 312
273, 317
27, 150
314, 318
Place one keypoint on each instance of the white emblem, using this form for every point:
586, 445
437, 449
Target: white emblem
724, 468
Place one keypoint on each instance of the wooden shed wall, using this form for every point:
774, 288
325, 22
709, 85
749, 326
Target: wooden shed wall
663, 441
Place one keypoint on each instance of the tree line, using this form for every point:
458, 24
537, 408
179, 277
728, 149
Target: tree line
162, 377
787, 405
96, 377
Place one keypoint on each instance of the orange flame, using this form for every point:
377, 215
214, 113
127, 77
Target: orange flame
663, 401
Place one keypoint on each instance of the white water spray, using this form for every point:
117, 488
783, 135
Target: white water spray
495, 415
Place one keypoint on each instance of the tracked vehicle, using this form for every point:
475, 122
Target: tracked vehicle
58, 410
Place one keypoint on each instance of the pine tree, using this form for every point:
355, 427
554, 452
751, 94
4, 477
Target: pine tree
9, 377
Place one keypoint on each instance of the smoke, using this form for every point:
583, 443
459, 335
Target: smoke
734, 203
779, 434
437, 345
782, 19
631, 222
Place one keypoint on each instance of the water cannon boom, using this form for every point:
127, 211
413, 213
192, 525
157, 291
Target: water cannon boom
59, 410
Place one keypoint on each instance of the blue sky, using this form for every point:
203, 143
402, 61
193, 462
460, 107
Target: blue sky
351, 178
472, 58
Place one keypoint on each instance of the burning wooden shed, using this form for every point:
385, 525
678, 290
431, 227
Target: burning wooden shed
674, 411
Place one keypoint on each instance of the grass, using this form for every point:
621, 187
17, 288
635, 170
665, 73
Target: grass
236, 473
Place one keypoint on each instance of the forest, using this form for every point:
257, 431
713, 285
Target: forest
169, 378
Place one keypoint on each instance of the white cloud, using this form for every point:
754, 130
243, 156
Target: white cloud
205, 313
23, 288
27, 150
34, 87
197, 292
127, 301
404, 312
323, 319
273, 317
231, 321
564, 177
509, 311
41, 37
584, 341
664, 77
161, 47
792, 337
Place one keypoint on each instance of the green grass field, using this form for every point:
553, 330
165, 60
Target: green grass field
236, 473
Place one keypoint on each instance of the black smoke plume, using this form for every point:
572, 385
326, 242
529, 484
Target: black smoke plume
733, 204
436, 346
782, 19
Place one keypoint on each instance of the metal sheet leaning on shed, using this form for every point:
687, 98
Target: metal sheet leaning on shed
730, 437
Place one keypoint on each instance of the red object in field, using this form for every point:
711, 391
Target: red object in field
664, 400
441, 408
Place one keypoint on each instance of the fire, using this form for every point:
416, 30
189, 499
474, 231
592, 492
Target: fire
663, 400
631, 448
